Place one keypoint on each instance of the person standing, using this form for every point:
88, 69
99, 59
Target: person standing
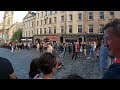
104, 58
112, 42
93, 46
12, 46
49, 48
75, 50
38, 46
84, 50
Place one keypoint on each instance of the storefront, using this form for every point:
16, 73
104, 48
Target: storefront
46, 38
27, 39
94, 37
73, 38
53, 38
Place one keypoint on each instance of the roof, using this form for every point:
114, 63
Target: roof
29, 15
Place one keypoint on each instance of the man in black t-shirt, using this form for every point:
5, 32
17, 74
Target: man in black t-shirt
6, 69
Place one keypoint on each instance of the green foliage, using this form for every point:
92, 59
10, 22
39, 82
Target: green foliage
17, 35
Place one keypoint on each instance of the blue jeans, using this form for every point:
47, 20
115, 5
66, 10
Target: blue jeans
102, 72
92, 54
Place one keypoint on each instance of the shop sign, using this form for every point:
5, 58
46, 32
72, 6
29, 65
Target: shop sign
52, 37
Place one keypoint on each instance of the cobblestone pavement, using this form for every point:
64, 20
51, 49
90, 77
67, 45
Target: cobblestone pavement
21, 59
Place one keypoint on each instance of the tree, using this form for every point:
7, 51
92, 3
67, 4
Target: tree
17, 35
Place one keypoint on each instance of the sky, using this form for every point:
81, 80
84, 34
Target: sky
17, 16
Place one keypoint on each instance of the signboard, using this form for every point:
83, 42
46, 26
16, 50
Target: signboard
52, 37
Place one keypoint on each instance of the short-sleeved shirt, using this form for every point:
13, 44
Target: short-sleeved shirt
5, 68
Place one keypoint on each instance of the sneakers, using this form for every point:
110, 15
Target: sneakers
88, 58
60, 66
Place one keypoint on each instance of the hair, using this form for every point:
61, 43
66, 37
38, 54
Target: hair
115, 25
46, 63
74, 76
34, 68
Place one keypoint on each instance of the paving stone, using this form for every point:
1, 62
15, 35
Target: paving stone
21, 60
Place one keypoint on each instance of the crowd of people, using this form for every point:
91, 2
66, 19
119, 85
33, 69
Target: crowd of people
107, 52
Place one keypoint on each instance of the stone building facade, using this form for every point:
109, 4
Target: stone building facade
69, 26
28, 26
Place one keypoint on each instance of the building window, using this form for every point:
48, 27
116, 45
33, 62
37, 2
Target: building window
55, 19
101, 28
49, 20
79, 16
40, 30
55, 12
54, 29
41, 22
49, 28
101, 14
29, 24
90, 15
45, 21
37, 31
62, 18
24, 26
32, 24
70, 17
32, 33
45, 13
29, 33
38, 15
90, 28
62, 29
79, 28
112, 13
26, 33
44, 30
70, 28
41, 14
37, 23
50, 12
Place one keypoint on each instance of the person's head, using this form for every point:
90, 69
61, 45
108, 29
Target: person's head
48, 63
73, 76
112, 37
34, 68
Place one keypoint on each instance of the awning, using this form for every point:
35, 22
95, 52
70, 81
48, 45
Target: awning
71, 38
23, 39
29, 39
26, 39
